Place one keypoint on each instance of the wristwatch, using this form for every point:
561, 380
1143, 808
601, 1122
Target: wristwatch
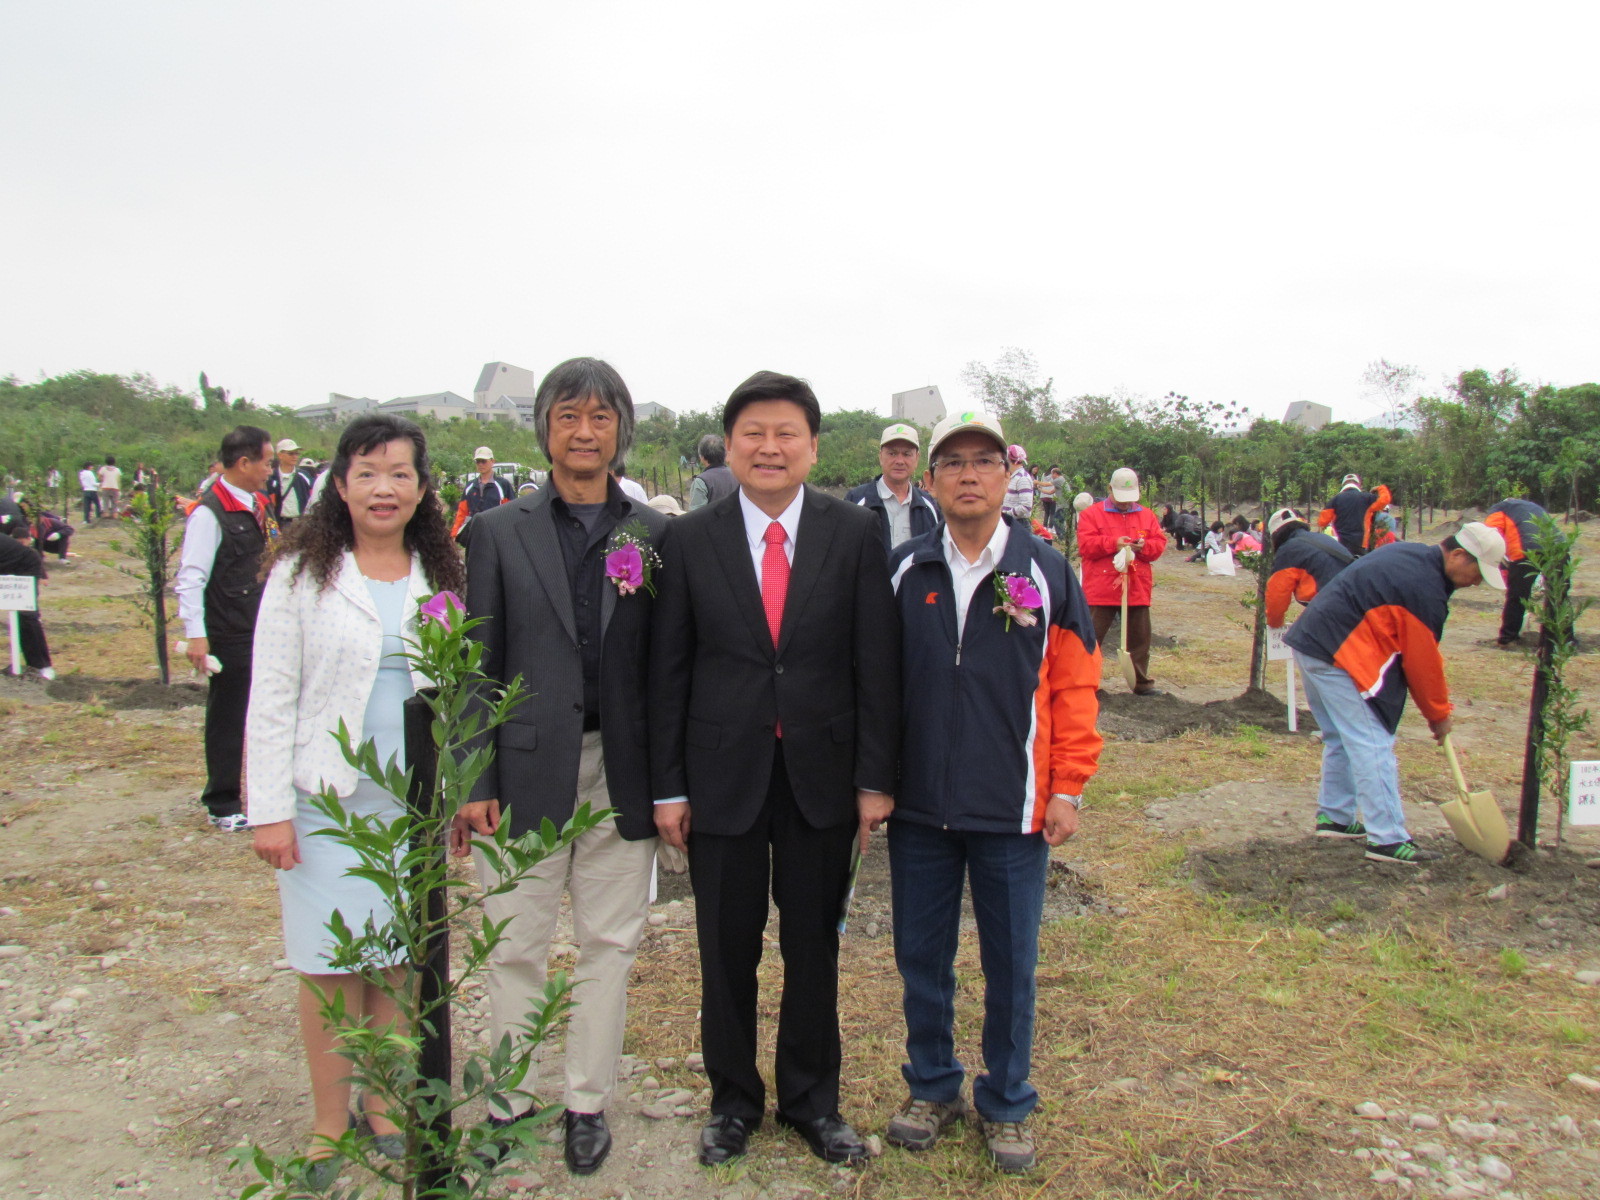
1075, 801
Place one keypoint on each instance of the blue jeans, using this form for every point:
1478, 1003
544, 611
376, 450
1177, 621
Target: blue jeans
1358, 762
1007, 873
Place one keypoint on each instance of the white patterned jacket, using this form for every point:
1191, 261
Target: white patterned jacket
315, 662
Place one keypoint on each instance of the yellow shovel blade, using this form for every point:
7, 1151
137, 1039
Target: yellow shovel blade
1479, 825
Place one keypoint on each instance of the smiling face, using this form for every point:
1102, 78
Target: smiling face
898, 461
969, 477
583, 439
771, 450
382, 490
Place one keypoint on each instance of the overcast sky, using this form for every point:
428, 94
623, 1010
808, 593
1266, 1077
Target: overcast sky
1240, 202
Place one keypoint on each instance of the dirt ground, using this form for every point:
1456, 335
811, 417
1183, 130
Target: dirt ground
1228, 1006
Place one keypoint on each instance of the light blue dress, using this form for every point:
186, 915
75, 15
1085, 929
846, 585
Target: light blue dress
320, 882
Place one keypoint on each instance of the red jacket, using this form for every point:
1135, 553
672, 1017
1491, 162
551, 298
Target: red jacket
1099, 527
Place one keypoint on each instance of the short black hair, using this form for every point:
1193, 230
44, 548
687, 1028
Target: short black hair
578, 379
769, 385
111, 460
243, 441
1451, 543
712, 450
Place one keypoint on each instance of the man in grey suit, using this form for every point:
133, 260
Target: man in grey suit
536, 570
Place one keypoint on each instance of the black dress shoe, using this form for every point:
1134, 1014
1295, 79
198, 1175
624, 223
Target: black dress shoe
725, 1137
829, 1137
588, 1142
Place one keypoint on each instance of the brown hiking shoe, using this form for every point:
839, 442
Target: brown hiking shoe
919, 1123
1010, 1146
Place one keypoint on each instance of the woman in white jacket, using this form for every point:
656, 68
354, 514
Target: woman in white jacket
342, 596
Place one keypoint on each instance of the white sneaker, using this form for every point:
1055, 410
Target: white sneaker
47, 673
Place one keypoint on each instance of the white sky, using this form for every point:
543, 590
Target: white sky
1242, 202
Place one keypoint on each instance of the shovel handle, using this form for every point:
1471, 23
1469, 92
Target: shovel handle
1455, 766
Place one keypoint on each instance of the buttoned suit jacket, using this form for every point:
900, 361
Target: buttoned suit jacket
517, 580
718, 686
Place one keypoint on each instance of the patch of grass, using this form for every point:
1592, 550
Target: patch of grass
1279, 997
1570, 1032
199, 1001
1343, 910
1248, 740
1512, 963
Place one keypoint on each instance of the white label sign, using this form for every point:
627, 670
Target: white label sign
1583, 794
1277, 649
17, 593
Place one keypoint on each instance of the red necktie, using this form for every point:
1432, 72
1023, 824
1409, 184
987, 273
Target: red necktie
774, 579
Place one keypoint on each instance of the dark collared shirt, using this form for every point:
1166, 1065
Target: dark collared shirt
583, 552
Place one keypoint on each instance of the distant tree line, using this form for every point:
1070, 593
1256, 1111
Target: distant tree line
1488, 436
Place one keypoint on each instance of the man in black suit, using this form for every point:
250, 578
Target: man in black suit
537, 571
775, 698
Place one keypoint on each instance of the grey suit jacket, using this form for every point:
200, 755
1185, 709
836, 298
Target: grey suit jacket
516, 578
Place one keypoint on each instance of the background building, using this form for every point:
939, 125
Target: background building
1308, 415
920, 406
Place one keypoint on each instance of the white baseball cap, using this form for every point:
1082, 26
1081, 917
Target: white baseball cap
1488, 547
1124, 485
1082, 501
1351, 480
483, 452
963, 422
1281, 518
288, 444
900, 432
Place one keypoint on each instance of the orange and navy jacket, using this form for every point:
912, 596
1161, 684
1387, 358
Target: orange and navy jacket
478, 496
1351, 512
996, 723
1514, 520
1381, 620
1305, 562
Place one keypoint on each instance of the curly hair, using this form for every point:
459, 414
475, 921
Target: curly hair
317, 541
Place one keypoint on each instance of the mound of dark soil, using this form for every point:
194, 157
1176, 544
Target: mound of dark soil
125, 693
1154, 718
1551, 901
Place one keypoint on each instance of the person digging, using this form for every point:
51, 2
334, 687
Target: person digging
1371, 635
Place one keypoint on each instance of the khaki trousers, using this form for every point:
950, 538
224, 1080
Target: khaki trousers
608, 879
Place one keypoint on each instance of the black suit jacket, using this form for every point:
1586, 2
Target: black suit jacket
718, 686
516, 578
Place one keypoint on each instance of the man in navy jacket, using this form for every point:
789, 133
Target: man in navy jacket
904, 510
999, 675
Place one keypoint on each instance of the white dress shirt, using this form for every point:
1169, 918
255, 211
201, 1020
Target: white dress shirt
757, 522
632, 489
966, 576
88, 481
201, 537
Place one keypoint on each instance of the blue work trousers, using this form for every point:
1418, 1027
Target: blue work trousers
1007, 874
1359, 769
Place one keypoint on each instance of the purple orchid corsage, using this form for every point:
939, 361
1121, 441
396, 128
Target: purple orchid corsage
631, 561
442, 608
1017, 595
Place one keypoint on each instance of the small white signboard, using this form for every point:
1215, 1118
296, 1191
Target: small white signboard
1583, 794
18, 593
1277, 649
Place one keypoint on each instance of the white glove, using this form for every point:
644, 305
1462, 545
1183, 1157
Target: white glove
671, 860
1123, 558
213, 664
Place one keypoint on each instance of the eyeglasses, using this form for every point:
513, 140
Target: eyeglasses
987, 465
